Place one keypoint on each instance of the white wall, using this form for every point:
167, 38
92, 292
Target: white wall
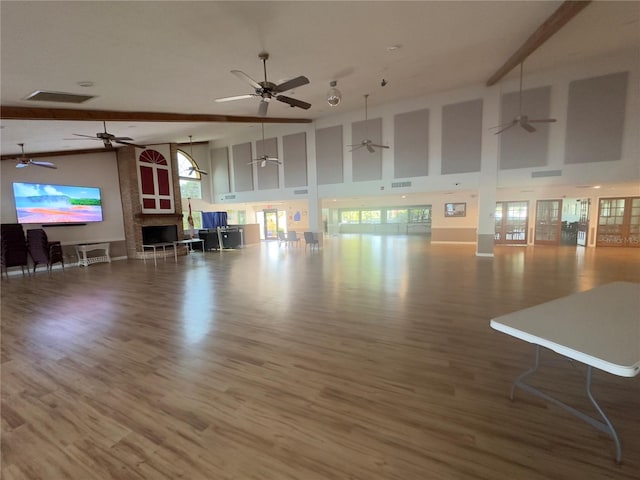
93, 170
622, 170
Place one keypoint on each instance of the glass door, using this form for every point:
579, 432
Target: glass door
548, 222
619, 222
511, 223
270, 224
583, 223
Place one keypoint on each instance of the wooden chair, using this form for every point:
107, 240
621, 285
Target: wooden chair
42, 251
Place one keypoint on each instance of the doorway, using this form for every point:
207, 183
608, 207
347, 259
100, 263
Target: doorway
511, 223
619, 222
270, 224
548, 222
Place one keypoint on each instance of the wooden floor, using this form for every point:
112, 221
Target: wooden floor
371, 359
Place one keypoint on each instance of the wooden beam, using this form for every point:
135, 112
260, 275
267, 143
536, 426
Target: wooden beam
551, 25
28, 113
59, 153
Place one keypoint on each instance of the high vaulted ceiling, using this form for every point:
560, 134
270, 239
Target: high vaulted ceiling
177, 56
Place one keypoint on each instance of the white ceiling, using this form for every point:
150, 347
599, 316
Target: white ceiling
177, 56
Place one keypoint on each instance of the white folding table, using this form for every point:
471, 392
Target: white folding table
598, 327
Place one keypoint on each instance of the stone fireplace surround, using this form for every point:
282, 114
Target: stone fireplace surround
133, 217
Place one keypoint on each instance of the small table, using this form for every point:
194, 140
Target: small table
189, 243
599, 327
84, 261
155, 246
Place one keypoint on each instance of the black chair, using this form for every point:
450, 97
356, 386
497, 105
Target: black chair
13, 247
310, 240
211, 240
42, 251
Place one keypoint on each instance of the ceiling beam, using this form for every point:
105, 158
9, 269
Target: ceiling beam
59, 153
551, 25
28, 113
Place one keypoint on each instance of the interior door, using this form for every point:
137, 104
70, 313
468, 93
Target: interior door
548, 222
511, 223
270, 224
583, 223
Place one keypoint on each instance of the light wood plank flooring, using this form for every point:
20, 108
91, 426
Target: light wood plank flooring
371, 359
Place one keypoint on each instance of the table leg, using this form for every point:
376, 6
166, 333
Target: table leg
605, 427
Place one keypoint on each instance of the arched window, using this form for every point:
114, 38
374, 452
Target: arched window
190, 187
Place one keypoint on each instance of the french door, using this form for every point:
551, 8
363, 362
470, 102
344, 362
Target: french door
619, 222
583, 223
511, 223
548, 222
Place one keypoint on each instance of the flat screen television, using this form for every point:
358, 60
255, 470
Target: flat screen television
46, 204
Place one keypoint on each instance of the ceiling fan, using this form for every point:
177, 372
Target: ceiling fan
23, 161
193, 168
263, 160
366, 143
107, 138
523, 120
267, 90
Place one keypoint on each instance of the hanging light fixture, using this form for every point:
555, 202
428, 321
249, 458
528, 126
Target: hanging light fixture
333, 95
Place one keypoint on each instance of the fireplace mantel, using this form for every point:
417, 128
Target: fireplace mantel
151, 216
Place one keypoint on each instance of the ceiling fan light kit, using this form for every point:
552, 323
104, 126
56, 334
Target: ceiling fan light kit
107, 138
523, 120
370, 146
264, 159
267, 90
23, 161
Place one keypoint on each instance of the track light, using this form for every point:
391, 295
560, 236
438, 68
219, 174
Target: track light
333, 95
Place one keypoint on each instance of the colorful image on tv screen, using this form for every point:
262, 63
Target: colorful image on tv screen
43, 203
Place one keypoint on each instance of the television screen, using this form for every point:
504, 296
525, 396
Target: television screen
43, 203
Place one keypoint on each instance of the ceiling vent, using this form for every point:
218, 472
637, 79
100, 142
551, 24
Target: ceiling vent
546, 173
61, 97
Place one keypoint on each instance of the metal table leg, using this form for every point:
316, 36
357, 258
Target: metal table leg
604, 426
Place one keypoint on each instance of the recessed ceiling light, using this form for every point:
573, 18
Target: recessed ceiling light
86, 83
393, 48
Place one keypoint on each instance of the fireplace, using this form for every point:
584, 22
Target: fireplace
165, 227
159, 234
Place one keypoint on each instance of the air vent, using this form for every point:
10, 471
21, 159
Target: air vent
547, 173
300, 192
229, 197
400, 184
61, 97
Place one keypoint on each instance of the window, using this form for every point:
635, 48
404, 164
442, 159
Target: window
419, 215
350, 216
156, 188
370, 216
190, 187
397, 216
190, 184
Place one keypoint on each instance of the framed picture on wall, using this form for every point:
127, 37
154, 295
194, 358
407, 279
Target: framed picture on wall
455, 209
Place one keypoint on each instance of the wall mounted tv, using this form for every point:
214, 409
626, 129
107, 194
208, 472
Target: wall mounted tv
57, 204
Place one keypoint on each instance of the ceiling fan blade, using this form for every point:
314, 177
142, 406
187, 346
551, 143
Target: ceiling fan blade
293, 102
527, 127
122, 139
91, 137
379, 146
262, 109
356, 147
505, 127
129, 143
293, 83
370, 148
44, 164
543, 120
243, 76
235, 97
